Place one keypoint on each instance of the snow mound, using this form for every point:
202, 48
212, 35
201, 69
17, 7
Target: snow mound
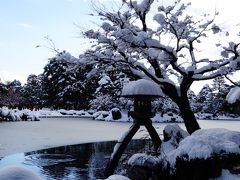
226, 175
142, 87
144, 160
205, 143
18, 173
174, 131
233, 95
117, 177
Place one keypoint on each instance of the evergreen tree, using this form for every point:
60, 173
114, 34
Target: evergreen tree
107, 94
67, 83
220, 90
14, 97
204, 99
193, 100
57, 81
32, 92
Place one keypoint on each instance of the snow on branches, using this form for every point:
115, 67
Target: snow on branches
166, 40
164, 43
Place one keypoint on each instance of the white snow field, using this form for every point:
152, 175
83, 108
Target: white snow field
25, 136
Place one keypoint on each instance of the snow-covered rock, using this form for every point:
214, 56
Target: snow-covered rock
144, 160
17, 173
172, 134
201, 155
174, 131
204, 143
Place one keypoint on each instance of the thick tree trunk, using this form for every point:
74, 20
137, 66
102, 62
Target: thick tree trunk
181, 99
189, 119
187, 114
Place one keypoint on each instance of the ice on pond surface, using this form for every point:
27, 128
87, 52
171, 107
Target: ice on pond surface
84, 161
47, 159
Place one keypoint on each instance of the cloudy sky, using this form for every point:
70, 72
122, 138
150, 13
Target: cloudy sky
25, 23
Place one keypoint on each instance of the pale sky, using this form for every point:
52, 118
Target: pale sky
24, 23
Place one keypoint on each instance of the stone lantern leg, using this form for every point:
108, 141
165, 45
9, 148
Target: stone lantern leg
142, 92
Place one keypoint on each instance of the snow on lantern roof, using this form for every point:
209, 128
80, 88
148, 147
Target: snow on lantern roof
142, 87
233, 95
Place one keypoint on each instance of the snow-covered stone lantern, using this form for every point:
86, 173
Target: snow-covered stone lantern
142, 92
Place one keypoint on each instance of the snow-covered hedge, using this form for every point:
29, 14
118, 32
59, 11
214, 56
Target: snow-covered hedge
17, 115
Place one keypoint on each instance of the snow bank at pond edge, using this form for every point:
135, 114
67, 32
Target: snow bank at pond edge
202, 145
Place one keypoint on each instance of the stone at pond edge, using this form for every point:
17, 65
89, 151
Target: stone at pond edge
186, 166
204, 169
174, 132
195, 169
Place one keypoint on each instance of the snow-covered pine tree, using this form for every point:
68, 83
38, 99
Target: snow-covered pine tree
57, 81
220, 90
32, 92
14, 97
204, 100
193, 100
107, 95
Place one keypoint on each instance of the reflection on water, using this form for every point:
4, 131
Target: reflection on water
85, 161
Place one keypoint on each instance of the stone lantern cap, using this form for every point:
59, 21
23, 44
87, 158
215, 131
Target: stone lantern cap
142, 88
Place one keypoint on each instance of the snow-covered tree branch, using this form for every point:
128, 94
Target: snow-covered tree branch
163, 44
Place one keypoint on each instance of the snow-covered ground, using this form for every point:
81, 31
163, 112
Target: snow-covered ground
33, 115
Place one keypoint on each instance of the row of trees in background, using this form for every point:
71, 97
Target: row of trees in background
14, 95
68, 84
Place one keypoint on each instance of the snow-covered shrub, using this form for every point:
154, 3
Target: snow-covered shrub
104, 102
100, 115
116, 113
18, 115
91, 112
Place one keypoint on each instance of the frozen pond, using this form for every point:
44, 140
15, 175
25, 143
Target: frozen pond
84, 161
18, 137
227, 124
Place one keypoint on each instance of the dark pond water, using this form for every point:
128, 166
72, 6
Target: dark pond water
84, 161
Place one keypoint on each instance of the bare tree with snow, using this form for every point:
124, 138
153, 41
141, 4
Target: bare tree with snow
162, 43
